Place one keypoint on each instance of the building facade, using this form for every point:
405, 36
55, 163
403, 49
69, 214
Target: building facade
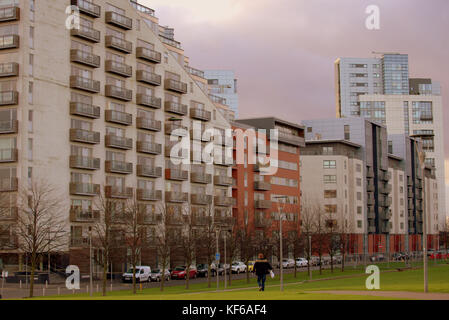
223, 83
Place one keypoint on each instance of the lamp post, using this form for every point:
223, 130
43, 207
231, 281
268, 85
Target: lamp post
90, 262
225, 274
422, 157
281, 217
217, 234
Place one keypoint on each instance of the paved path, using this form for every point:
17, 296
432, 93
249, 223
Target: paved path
391, 294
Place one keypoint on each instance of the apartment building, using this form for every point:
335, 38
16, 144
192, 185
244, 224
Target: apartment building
92, 110
332, 178
223, 83
260, 194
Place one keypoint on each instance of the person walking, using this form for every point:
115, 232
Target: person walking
261, 269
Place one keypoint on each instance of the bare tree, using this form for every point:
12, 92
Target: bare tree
245, 236
188, 241
41, 222
332, 239
344, 234
307, 224
163, 240
207, 238
296, 243
320, 237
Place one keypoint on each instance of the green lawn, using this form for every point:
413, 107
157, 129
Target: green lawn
295, 288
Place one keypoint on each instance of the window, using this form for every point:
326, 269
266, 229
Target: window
330, 208
359, 210
359, 224
358, 168
30, 149
30, 92
328, 151
347, 132
31, 43
32, 8
359, 182
30, 65
359, 196
329, 164
330, 179
330, 194
30, 121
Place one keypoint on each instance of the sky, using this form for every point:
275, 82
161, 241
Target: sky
283, 51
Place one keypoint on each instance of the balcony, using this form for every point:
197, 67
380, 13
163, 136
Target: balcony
384, 175
372, 229
262, 222
200, 220
79, 242
181, 154
84, 189
262, 204
370, 187
86, 33
223, 220
200, 114
149, 147
171, 196
148, 124
149, 195
370, 172
118, 117
176, 129
148, 54
149, 171
87, 7
84, 110
175, 107
409, 181
225, 181
84, 136
118, 93
119, 167
85, 84
148, 101
223, 161
8, 98
175, 85
384, 214
9, 214
370, 201
9, 155
114, 192
176, 174
85, 58
148, 77
371, 213
386, 202
201, 199
222, 201
149, 219
200, 177
119, 20
118, 68
175, 220
200, 134
86, 163
11, 41
291, 139
9, 14
118, 44
384, 188
262, 186
84, 216
9, 69
113, 141
9, 126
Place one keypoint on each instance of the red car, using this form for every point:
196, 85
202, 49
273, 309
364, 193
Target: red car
180, 272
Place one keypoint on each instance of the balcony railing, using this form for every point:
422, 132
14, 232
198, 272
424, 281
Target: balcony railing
11, 41
9, 155
148, 77
175, 220
195, 72
85, 58
170, 152
149, 147
200, 114
84, 189
118, 93
291, 139
86, 33
86, 163
8, 98
200, 177
149, 219
118, 192
173, 128
176, 174
175, 85
261, 222
120, 167
171, 196
175, 107
201, 199
85, 136
79, 242
118, 117
119, 44
149, 171
262, 185
224, 220
113, 141
200, 220
148, 54
84, 110
220, 180
84, 216
87, 7
262, 204
148, 101
149, 195
9, 184
118, 68
9, 126
222, 201
148, 124
8, 214
9, 14
9, 69
119, 20
86, 84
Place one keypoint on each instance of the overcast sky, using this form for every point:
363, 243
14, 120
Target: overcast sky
283, 50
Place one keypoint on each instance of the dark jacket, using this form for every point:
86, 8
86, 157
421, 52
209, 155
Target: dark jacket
262, 267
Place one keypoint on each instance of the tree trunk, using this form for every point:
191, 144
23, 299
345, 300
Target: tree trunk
163, 275
105, 271
230, 275
208, 276
134, 276
187, 277
332, 264
321, 265
33, 267
247, 271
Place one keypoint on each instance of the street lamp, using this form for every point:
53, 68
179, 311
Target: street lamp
280, 239
90, 262
217, 235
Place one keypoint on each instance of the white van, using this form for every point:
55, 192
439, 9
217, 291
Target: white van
143, 274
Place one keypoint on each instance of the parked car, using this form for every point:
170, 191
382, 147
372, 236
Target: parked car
288, 263
221, 268
143, 274
377, 257
301, 262
326, 260
180, 272
238, 267
315, 261
250, 267
203, 269
156, 275
337, 259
